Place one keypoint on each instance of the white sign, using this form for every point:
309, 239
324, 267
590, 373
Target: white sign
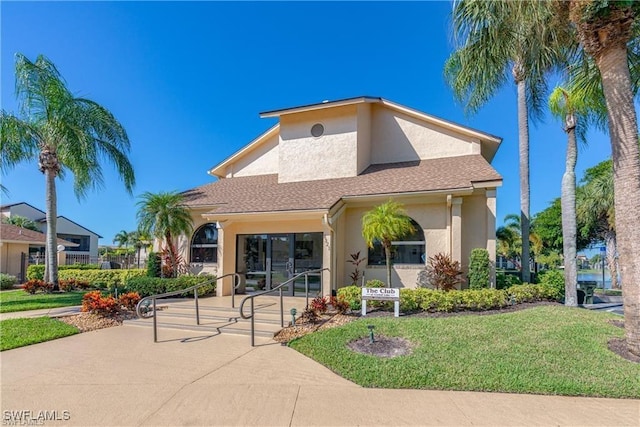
381, 294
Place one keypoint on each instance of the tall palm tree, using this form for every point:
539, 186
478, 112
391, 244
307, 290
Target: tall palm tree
64, 133
139, 239
498, 40
604, 30
164, 216
22, 222
386, 223
570, 105
510, 240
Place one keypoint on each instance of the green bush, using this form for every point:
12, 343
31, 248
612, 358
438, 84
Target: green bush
36, 271
154, 266
532, 293
351, 295
101, 278
146, 286
554, 279
375, 283
7, 281
479, 269
504, 281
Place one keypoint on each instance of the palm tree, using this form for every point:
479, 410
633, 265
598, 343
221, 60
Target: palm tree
139, 239
498, 40
64, 133
386, 223
123, 238
510, 240
570, 105
22, 222
604, 30
164, 216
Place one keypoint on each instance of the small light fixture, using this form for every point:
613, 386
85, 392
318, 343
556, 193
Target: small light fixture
371, 328
293, 312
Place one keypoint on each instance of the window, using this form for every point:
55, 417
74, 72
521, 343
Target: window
409, 250
83, 241
204, 245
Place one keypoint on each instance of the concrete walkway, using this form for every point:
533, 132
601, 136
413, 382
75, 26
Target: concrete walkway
51, 312
118, 377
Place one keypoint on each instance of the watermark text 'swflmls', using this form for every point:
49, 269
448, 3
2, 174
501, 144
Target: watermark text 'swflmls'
27, 417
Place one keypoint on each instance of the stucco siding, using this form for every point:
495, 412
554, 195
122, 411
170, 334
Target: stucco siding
303, 157
10, 256
25, 211
474, 233
364, 136
397, 137
261, 161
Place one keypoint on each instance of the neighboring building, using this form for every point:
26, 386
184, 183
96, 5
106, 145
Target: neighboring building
15, 245
86, 241
293, 199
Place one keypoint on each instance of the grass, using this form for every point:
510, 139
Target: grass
19, 300
543, 350
21, 332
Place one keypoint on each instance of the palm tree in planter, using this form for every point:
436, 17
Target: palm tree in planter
164, 216
64, 133
384, 224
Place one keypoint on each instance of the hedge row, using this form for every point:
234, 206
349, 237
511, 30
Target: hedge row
36, 271
430, 300
146, 286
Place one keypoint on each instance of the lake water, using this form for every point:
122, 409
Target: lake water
596, 277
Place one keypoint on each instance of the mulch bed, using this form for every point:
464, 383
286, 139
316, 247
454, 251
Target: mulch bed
86, 322
382, 346
619, 346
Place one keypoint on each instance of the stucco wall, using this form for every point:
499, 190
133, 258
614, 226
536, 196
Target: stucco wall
432, 217
303, 157
10, 255
261, 161
364, 136
474, 232
397, 137
25, 211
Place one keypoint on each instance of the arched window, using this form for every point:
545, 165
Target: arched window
409, 250
204, 245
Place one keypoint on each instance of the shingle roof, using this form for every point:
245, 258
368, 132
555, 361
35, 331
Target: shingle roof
13, 234
263, 193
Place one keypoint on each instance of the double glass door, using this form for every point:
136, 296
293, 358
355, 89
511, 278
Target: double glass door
269, 260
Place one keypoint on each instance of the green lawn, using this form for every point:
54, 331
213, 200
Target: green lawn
543, 350
20, 332
19, 300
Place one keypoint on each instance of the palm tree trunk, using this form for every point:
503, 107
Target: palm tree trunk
568, 203
387, 254
51, 250
610, 243
623, 128
172, 254
523, 148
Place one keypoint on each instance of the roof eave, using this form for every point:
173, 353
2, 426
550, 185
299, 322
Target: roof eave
320, 106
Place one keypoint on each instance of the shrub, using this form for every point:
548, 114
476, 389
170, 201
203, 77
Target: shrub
34, 285
375, 283
338, 304
441, 273
554, 279
36, 271
153, 264
504, 281
532, 293
351, 295
146, 286
7, 281
479, 269
319, 305
101, 278
94, 302
129, 300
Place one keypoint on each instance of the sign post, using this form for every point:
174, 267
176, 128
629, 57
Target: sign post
381, 294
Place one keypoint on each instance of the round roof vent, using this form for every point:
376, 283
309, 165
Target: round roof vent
317, 130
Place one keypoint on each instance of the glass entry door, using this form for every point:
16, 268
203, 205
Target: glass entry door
281, 262
268, 260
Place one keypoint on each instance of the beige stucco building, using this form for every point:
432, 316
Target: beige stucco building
293, 198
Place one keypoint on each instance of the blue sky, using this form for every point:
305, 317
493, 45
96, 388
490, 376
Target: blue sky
187, 80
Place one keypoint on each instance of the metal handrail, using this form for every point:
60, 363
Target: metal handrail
193, 288
277, 288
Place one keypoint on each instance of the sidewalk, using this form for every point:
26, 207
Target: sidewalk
51, 312
119, 377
